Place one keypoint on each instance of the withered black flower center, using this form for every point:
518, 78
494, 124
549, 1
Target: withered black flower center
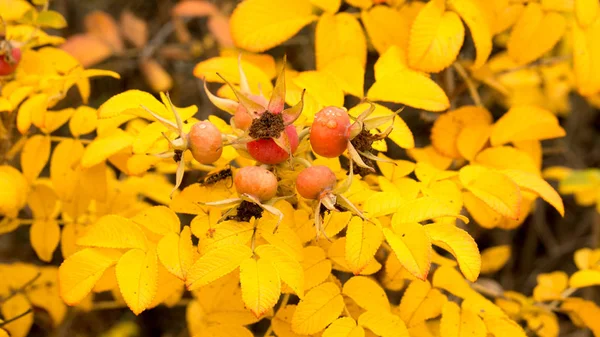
268, 125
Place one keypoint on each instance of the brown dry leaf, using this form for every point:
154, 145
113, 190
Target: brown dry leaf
194, 8
156, 76
219, 27
87, 49
104, 27
134, 29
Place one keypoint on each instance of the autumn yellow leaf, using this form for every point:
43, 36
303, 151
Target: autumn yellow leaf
503, 326
228, 67
506, 157
460, 244
550, 286
33, 110
215, 264
585, 60
363, 239
348, 74
412, 245
534, 183
425, 208
158, 219
494, 258
80, 271
44, 236
420, 302
474, 14
137, 274
261, 285
283, 238
526, 122
586, 311
584, 278
322, 90
176, 252
436, 37
258, 25
114, 231
338, 36
101, 148
226, 233
457, 322
319, 307
282, 321
395, 275
34, 156
367, 293
386, 27
586, 11
289, 269
493, 188
316, 266
344, 327
384, 324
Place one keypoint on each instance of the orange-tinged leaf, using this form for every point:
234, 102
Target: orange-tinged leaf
412, 246
494, 258
586, 311
448, 127
261, 285
493, 188
461, 323
460, 244
384, 324
158, 219
420, 302
44, 236
87, 49
290, 270
436, 37
78, 274
176, 252
194, 9
472, 139
344, 327
585, 278
103, 26
586, 11
473, 13
156, 76
316, 266
114, 231
215, 264
550, 286
137, 275
526, 122
34, 156
534, 183
258, 25
386, 27
363, 239
101, 148
338, 36
134, 29
367, 293
319, 307
13, 307
535, 33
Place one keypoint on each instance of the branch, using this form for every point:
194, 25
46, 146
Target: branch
15, 318
21, 288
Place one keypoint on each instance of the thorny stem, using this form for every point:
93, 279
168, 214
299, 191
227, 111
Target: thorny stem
20, 289
472, 88
15, 318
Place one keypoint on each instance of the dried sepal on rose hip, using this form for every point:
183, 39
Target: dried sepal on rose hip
319, 183
10, 55
257, 188
332, 133
204, 140
269, 134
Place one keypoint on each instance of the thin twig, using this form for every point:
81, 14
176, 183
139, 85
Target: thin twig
15, 318
472, 88
21, 288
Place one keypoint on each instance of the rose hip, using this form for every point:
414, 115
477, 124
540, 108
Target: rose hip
205, 142
257, 182
267, 151
329, 132
314, 180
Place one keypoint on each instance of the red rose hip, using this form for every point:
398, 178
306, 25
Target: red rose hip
6, 67
256, 181
267, 151
314, 180
329, 132
205, 142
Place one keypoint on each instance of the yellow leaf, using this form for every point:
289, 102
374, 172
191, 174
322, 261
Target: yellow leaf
130, 102
261, 285
410, 88
460, 244
586, 258
176, 252
114, 231
158, 219
493, 188
228, 67
64, 160
382, 203
503, 326
338, 36
535, 33
80, 271
43, 201
586, 11
321, 90
290, 270
384, 324
44, 236
473, 14
585, 59
14, 189
101, 148
34, 156
425, 208
448, 127
13, 307
337, 254
282, 322
395, 275
226, 233
83, 121
526, 122
51, 19
386, 27
348, 74
585, 278
412, 245
363, 239
33, 110
506, 157
215, 264
586, 311
494, 258
472, 139
258, 25
344, 327
420, 302
550, 286
14, 10
329, 6
429, 155
436, 37
319, 307
283, 238
534, 183
460, 323
137, 274
316, 266
367, 293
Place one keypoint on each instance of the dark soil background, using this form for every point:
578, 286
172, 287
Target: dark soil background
544, 243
